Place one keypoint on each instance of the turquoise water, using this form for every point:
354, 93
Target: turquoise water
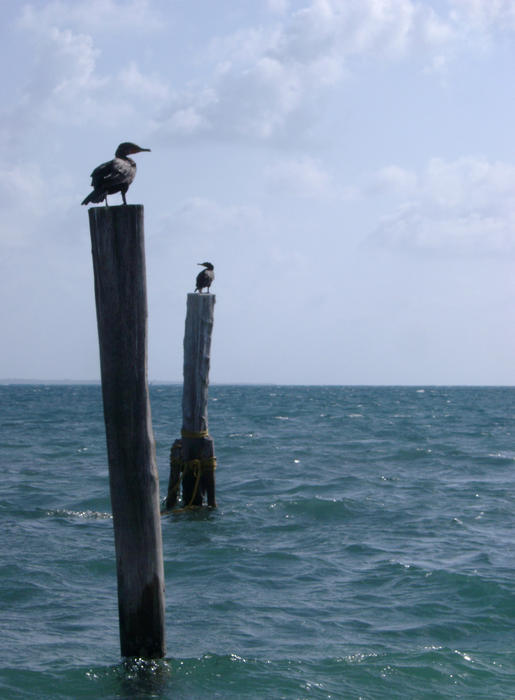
362, 547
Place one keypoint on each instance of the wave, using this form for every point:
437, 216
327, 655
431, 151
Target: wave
443, 672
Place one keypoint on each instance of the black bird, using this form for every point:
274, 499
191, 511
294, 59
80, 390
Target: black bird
114, 176
205, 278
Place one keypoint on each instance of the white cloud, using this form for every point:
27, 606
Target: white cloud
279, 6
302, 177
252, 94
392, 179
64, 77
266, 80
145, 87
484, 15
465, 206
65, 84
469, 182
387, 27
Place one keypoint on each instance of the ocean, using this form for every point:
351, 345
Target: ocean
363, 547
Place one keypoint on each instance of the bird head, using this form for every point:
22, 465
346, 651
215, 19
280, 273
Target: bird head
127, 147
207, 265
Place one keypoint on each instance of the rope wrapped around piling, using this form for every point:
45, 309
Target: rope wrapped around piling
194, 435
197, 468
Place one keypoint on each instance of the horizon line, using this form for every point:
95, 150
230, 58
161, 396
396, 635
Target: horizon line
163, 382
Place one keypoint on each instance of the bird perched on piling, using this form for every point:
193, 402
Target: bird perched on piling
205, 278
114, 176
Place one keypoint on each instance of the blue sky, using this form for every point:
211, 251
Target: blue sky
348, 167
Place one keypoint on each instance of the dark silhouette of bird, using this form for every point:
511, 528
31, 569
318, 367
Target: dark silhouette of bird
114, 176
205, 278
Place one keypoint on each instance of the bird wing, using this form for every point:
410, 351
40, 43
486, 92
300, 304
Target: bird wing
115, 172
201, 280
205, 278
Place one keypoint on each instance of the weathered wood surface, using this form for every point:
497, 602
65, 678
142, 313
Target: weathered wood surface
202, 449
117, 239
197, 356
175, 474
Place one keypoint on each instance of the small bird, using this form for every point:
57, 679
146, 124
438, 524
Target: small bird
114, 176
205, 278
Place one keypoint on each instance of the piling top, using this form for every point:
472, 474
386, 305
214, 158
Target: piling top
117, 211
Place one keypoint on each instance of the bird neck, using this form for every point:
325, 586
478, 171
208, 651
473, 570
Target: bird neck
126, 158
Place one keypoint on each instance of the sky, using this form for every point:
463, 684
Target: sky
347, 165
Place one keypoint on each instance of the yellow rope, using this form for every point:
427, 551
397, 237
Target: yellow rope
197, 466
194, 435
198, 474
177, 484
208, 464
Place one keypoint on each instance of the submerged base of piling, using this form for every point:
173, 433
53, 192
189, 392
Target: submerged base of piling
192, 466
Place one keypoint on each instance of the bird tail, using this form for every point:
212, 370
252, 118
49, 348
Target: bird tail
96, 197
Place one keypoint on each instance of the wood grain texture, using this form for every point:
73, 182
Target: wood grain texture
197, 357
117, 239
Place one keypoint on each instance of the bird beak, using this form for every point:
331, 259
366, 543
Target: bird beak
144, 149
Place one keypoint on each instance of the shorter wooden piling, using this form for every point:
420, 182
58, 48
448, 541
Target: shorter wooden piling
120, 291
195, 451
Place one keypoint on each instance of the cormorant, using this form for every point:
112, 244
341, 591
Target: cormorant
205, 278
114, 176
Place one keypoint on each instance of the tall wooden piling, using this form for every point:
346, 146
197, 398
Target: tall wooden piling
117, 240
194, 453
